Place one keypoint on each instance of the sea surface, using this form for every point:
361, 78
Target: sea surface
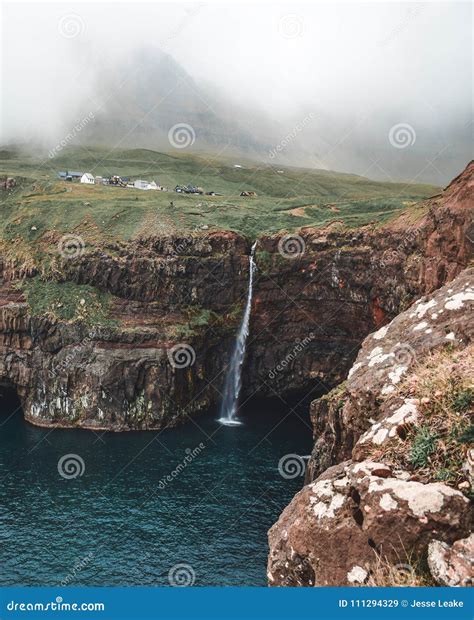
134, 507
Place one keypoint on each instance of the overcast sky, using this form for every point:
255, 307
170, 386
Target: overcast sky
411, 60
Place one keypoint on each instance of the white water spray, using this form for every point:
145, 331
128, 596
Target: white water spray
233, 381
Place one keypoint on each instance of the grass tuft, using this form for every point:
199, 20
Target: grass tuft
422, 447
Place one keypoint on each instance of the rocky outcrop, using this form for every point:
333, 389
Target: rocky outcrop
346, 418
186, 293
401, 426
365, 512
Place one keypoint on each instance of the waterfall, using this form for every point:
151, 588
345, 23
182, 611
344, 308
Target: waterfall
233, 381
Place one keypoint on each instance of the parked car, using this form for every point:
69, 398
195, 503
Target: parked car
192, 189
188, 189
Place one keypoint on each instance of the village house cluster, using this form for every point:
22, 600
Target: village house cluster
114, 180
119, 181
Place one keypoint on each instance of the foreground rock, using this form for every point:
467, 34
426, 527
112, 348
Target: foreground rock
452, 565
400, 424
336, 528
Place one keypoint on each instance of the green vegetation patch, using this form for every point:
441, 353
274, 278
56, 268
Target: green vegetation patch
199, 319
436, 448
67, 301
422, 447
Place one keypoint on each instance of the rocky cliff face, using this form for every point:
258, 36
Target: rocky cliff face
154, 361
175, 304
397, 438
332, 287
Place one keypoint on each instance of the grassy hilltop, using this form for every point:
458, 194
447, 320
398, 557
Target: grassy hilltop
287, 198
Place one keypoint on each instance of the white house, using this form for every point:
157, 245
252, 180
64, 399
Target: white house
141, 184
88, 178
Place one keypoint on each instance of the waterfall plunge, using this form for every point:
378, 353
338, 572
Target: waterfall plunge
233, 381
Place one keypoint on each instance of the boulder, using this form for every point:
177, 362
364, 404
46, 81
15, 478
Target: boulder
337, 528
452, 565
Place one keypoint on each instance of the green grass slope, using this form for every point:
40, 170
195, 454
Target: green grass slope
287, 198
